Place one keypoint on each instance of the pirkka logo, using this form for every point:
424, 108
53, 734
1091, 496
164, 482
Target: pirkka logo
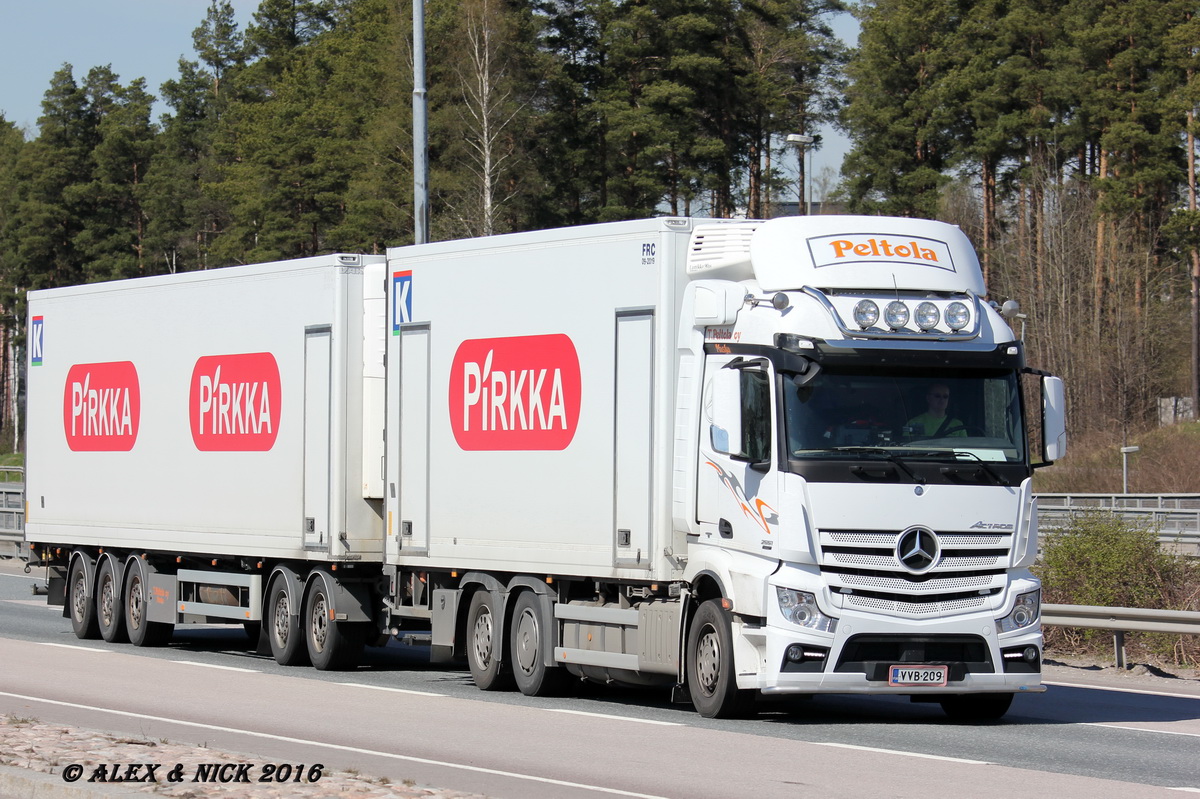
235, 402
102, 407
519, 393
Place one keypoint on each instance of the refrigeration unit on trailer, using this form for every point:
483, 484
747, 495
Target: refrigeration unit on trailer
733, 458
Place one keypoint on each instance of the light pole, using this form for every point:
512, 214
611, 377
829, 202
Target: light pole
801, 141
1125, 453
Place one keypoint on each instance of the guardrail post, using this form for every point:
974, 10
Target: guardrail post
1119, 648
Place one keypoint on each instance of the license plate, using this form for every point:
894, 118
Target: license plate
918, 675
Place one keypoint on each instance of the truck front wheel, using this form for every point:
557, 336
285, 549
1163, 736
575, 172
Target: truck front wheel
711, 681
331, 644
483, 655
83, 611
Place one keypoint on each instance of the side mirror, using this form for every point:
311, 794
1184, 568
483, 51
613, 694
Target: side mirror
725, 430
1054, 418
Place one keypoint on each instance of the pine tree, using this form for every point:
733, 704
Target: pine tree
898, 122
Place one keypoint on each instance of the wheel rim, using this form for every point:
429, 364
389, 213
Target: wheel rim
79, 597
708, 661
107, 601
280, 625
135, 603
319, 623
526, 642
482, 639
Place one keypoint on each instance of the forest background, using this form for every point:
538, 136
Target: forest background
1058, 133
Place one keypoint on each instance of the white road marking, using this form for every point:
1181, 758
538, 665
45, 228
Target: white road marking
215, 666
391, 690
904, 754
340, 748
24, 577
1123, 690
609, 716
1138, 729
72, 646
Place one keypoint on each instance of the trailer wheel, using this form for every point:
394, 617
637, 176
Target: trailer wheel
332, 644
142, 631
285, 633
483, 657
109, 615
530, 671
83, 612
711, 681
976, 707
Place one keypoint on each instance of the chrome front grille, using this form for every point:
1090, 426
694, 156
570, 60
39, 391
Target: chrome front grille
863, 567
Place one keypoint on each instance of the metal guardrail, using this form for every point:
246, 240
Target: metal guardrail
1121, 621
12, 511
1177, 516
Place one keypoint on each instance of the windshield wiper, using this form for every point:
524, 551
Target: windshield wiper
983, 464
891, 456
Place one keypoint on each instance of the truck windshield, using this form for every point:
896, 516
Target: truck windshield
926, 415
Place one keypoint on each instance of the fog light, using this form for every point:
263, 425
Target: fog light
866, 313
795, 653
957, 316
1031, 654
896, 314
928, 316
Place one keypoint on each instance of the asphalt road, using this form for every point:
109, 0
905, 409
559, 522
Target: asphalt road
399, 717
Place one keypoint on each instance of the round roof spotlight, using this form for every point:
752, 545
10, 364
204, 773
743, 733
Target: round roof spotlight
928, 316
957, 315
866, 313
896, 314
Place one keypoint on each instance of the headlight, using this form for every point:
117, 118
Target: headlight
800, 607
866, 313
896, 314
1024, 614
957, 316
928, 316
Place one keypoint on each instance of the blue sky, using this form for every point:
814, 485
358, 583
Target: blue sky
145, 39
139, 38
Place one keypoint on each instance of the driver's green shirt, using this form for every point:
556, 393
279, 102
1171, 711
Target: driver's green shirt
925, 424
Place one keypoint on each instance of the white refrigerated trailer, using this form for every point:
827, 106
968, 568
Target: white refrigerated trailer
694, 453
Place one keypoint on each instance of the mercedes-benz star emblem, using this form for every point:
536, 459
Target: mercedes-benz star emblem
918, 549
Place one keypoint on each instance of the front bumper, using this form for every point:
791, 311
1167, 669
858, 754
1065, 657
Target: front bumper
856, 658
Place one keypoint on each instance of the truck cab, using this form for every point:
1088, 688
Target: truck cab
863, 503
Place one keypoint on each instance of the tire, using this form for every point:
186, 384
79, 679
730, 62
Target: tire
332, 645
976, 707
488, 671
712, 683
81, 610
285, 629
526, 641
142, 631
110, 616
